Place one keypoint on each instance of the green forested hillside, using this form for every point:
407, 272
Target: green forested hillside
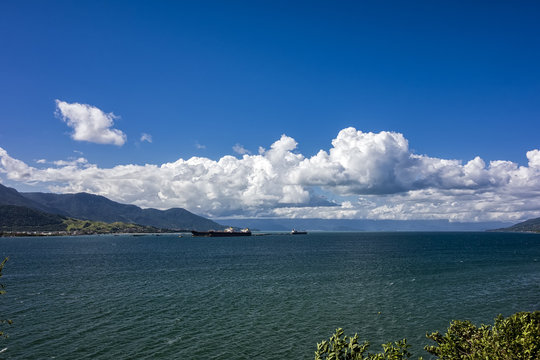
99, 227
98, 208
21, 218
531, 225
15, 218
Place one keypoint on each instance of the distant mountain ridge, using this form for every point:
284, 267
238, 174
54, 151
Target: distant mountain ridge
10, 196
531, 225
98, 208
362, 225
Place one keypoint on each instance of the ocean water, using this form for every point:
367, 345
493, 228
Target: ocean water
264, 297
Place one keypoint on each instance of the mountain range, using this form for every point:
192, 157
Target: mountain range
48, 210
362, 225
22, 218
531, 225
98, 208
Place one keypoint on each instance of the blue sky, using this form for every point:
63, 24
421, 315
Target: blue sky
457, 80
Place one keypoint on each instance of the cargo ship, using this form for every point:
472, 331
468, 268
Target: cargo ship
225, 233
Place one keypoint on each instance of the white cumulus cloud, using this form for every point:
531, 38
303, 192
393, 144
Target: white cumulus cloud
372, 175
90, 123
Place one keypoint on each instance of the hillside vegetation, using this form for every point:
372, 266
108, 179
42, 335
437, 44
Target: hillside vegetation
98, 208
100, 227
21, 219
531, 225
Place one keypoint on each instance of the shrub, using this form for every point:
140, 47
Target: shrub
341, 347
516, 337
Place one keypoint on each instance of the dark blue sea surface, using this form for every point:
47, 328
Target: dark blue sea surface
263, 297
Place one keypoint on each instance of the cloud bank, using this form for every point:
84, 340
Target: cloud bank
90, 123
368, 175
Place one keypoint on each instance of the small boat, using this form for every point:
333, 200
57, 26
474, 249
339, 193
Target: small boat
296, 232
229, 232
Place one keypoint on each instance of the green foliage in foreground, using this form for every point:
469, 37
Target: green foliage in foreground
341, 347
515, 337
